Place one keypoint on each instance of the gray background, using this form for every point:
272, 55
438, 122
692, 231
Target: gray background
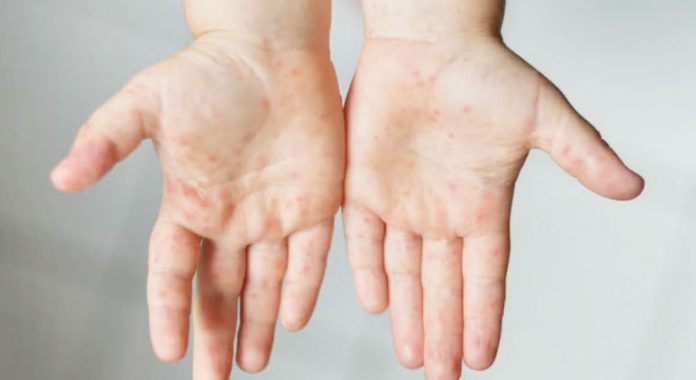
597, 290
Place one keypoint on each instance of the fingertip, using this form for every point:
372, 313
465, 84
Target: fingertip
372, 290
296, 308
293, 322
170, 357
479, 364
294, 312
169, 334
444, 370
411, 356
617, 182
252, 360
481, 341
84, 166
639, 185
169, 349
60, 177
480, 360
632, 188
376, 308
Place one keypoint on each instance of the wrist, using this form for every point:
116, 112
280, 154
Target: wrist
432, 19
266, 23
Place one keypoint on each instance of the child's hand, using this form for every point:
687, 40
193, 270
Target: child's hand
438, 133
251, 144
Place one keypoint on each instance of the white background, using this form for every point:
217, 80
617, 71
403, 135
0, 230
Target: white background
597, 290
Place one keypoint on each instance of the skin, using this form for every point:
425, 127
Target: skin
441, 118
248, 127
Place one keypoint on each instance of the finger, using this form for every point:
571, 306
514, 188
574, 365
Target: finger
111, 134
172, 265
220, 279
364, 244
580, 150
442, 301
402, 255
307, 253
484, 266
266, 263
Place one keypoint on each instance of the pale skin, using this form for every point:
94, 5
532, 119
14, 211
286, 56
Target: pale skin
248, 127
441, 117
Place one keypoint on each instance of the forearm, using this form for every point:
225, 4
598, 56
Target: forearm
267, 23
431, 19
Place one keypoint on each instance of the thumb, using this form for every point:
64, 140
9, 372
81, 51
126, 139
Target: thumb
580, 150
112, 133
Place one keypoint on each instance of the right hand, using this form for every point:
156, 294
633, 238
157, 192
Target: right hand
251, 145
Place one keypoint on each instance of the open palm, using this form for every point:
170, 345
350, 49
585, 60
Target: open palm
251, 146
437, 135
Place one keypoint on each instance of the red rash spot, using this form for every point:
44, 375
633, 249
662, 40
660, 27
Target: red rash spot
294, 72
578, 163
190, 216
273, 223
478, 341
453, 187
467, 108
450, 135
565, 151
135, 114
192, 195
212, 158
162, 293
179, 238
157, 257
189, 192
529, 125
481, 216
265, 103
266, 44
434, 115
262, 159
545, 141
497, 252
306, 269
182, 141
301, 203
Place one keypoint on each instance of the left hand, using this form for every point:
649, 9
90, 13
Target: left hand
437, 135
